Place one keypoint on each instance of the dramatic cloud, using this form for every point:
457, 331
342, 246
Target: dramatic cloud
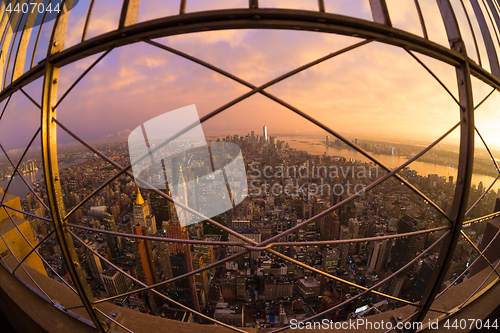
375, 91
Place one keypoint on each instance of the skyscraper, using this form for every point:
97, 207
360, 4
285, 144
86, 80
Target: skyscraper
162, 208
427, 266
264, 130
114, 242
142, 215
403, 249
145, 254
181, 263
94, 264
114, 282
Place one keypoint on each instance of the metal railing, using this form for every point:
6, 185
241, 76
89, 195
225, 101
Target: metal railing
128, 31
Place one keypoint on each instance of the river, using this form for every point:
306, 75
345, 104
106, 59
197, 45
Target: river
19, 188
422, 168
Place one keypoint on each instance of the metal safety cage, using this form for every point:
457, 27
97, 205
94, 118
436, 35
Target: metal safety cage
18, 25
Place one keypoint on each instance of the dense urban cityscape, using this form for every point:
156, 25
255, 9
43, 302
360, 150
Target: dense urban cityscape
286, 187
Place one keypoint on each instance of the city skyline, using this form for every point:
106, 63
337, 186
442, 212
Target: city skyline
143, 77
330, 196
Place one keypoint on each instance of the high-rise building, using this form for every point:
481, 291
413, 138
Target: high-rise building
94, 264
181, 262
207, 252
200, 279
264, 133
493, 252
241, 287
403, 248
426, 269
173, 229
142, 215
145, 254
327, 141
114, 282
114, 242
162, 208
185, 289
331, 258
163, 254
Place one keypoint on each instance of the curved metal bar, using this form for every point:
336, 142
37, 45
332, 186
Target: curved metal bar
49, 153
372, 287
15, 33
477, 250
309, 118
482, 284
472, 32
30, 214
482, 195
114, 321
31, 99
469, 267
24, 41
35, 47
421, 19
433, 75
153, 238
259, 248
24, 269
33, 249
16, 169
145, 285
466, 160
87, 20
242, 19
219, 20
38, 254
19, 162
481, 219
5, 106
489, 151
484, 99
81, 77
491, 21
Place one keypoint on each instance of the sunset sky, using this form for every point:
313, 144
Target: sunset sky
375, 91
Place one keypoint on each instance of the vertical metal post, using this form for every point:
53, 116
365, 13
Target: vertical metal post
87, 20
182, 9
129, 13
9, 33
421, 18
51, 171
465, 164
380, 13
253, 4
23, 44
494, 12
321, 4
488, 41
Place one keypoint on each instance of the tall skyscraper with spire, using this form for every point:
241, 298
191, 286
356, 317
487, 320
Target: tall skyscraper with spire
264, 130
142, 215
